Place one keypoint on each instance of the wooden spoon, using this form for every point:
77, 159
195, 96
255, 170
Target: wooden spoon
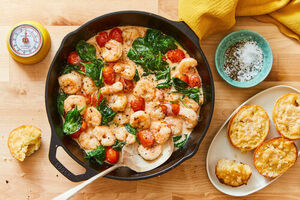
129, 158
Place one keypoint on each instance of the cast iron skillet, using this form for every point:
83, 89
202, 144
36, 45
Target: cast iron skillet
183, 34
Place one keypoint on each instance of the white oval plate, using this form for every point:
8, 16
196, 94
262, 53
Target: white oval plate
220, 147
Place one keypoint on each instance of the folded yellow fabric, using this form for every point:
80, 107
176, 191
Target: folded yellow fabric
206, 17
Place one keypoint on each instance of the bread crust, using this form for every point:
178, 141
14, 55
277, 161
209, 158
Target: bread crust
221, 179
259, 149
23, 141
276, 112
261, 140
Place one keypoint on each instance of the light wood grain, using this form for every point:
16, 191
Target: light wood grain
22, 102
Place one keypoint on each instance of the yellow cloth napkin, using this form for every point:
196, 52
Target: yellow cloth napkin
206, 17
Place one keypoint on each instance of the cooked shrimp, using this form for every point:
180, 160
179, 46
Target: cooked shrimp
150, 153
153, 108
161, 132
175, 124
73, 100
130, 34
117, 102
121, 118
127, 70
92, 116
140, 120
189, 115
145, 89
88, 85
87, 140
70, 83
124, 136
172, 96
190, 103
112, 89
105, 135
187, 66
112, 51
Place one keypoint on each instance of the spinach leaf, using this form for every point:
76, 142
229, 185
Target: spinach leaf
68, 68
147, 51
118, 145
136, 77
92, 70
164, 75
176, 138
98, 154
107, 113
181, 142
60, 102
73, 121
178, 83
86, 51
132, 131
192, 93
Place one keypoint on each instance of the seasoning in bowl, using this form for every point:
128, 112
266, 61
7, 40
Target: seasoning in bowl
243, 60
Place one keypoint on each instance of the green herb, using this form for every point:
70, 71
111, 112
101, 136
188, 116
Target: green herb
136, 77
118, 145
164, 75
86, 51
92, 70
174, 67
98, 154
178, 83
192, 93
107, 113
179, 142
69, 68
73, 121
147, 51
60, 102
132, 131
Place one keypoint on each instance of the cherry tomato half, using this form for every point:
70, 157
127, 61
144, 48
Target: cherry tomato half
127, 85
116, 34
183, 77
102, 38
146, 138
94, 98
170, 109
111, 155
108, 74
175, 55
194, 81
137, 104
74, 58
82, 128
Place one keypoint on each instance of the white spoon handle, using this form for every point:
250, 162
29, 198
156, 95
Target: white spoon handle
76, 189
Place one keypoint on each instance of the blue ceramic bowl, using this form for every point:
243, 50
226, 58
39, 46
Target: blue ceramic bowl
236, 37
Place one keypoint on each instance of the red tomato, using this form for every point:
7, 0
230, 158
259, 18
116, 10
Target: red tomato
137, 104
94, 98
108, 74
183, 77
175, 55
74, 58
102, 38
194, 81
82, 128
170, 109
127, 85
111, 155
146, 138
116, 34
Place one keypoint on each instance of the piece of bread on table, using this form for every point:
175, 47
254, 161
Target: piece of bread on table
23, 141
275, 156
286, 116
248, 128
233, 173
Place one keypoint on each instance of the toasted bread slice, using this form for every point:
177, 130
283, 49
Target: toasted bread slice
230, 172
275, 156
286, 116
248, 128
24, 141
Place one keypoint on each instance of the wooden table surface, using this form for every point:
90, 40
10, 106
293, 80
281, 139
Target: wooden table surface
22, 102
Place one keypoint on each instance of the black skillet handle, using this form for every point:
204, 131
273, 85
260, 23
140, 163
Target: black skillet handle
181, 25
54, 144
